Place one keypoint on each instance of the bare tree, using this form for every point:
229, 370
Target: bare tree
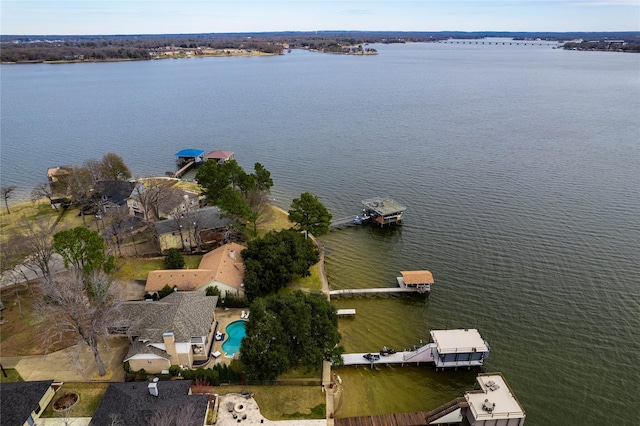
6, 193
43, 190
111, 167
37, 242
84, 307
79, 184
184, 415
157, 198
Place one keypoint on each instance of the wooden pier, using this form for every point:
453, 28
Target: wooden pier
183, 169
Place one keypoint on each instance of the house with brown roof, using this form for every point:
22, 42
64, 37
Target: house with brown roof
222, 268
177, 330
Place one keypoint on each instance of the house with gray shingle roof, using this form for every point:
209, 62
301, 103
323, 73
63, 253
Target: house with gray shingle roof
21, 403
187, 231
176, 330
143, 403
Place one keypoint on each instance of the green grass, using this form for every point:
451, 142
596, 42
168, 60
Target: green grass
311, 282
302, 373
12, 376
284, 402
141, 267
90, 396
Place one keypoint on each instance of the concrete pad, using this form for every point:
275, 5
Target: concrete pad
248, 407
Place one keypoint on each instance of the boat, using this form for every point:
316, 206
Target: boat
371, 357
387, 351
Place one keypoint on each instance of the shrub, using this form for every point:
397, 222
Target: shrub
166, 290
174, 259
174, 370
213, 291
231, 301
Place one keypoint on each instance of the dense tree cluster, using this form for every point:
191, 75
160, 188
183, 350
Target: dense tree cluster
271, 262
240, 195
289, 331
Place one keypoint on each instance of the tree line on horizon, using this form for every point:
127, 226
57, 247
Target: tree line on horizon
40, 48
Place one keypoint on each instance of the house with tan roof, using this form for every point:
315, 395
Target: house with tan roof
222, 268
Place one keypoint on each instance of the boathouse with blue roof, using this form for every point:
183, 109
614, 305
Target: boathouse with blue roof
187, 156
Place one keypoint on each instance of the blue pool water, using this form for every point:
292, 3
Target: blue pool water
235, 333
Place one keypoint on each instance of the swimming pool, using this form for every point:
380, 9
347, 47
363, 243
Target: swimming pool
235, 333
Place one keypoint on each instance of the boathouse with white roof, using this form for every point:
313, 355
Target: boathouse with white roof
458, 348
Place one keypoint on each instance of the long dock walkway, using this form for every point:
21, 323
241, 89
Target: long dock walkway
359, 291
183, 169
422, 354
343, 223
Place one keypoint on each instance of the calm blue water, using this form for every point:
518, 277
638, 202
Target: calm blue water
520, 168
235, 331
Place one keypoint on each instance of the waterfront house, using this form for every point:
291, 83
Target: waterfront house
21, 403
222, 268
195, 229
458, 348
111, 195
161, 201
176, 330
141, 403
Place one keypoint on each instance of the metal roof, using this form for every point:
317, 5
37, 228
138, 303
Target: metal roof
190, 153
383, 206
219, 154
462, 340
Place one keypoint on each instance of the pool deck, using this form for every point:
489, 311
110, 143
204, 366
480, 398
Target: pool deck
224, 316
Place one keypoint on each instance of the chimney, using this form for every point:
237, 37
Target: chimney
170, 347
232, 254
153, 388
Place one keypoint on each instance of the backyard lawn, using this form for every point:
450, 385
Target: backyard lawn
12, 376
90, 396
284, 402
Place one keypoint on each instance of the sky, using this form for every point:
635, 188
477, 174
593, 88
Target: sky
80, 17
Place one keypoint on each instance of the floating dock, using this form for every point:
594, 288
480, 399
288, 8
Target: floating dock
346, 312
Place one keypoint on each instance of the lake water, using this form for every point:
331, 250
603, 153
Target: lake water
519, 165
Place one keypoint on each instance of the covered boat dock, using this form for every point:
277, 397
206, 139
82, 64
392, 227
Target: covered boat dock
383, 211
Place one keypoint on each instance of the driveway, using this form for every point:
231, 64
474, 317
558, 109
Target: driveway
76, 363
